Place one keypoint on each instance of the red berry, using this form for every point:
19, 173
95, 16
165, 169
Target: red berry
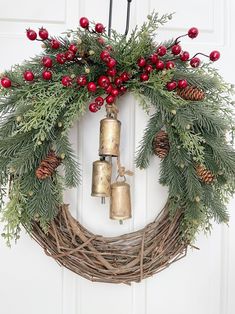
73, 48
99, 28
69, 55
60, 58
171, 86
55, 44
144, 77
103, 81
6, 82
161, 51
104, 55
122, 89
148, 68
153, 58
109, 47
118, 81
160, 65
184, 56
111, 63
47, 62
84, 22
47, 75
193, 32
28, 76
93, 107
176, 49
110, 99
109, 89
91, 86
195, 62
101, 40
141, 62
99, 101
32, 35
66, 81
43, 33
125, 76
214, 55
170, 65
81, 80
111, 72
182, 84
115, 92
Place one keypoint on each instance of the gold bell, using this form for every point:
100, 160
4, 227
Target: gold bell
120, 201
110, 130
101, 178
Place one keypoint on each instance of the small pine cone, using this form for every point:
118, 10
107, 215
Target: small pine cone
48, 166
204, 174
161, 144
191, 93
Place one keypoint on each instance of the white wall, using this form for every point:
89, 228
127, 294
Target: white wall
204, 282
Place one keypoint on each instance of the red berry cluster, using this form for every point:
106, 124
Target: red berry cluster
97, 104
47, 62
64, 56
111, 82
32, 35
68, 55
158, 61
99, 27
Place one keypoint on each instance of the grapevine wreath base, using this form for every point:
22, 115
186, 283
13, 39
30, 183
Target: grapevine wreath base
124, 259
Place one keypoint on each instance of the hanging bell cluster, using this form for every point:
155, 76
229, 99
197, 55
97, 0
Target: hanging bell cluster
118, 191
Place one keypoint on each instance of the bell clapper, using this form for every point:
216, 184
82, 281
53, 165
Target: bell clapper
102, 200
121, 222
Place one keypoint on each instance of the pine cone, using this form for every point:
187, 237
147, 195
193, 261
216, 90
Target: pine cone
204, 174
191, 93
161, 145
48, 166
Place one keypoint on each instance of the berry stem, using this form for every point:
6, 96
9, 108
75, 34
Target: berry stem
199, 53
177, 58
91, 31
177, 39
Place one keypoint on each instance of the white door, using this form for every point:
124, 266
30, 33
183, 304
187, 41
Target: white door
203, 282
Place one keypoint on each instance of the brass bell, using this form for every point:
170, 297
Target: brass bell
101, 178
120, 201
110, 130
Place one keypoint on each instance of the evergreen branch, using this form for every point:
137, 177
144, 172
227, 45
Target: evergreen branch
71, 167
145, 149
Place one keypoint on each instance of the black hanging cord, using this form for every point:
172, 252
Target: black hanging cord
110, 16
127, 17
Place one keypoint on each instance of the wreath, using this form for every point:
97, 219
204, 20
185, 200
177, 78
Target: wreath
189, 129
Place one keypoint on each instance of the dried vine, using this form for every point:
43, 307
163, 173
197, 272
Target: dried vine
123, 259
